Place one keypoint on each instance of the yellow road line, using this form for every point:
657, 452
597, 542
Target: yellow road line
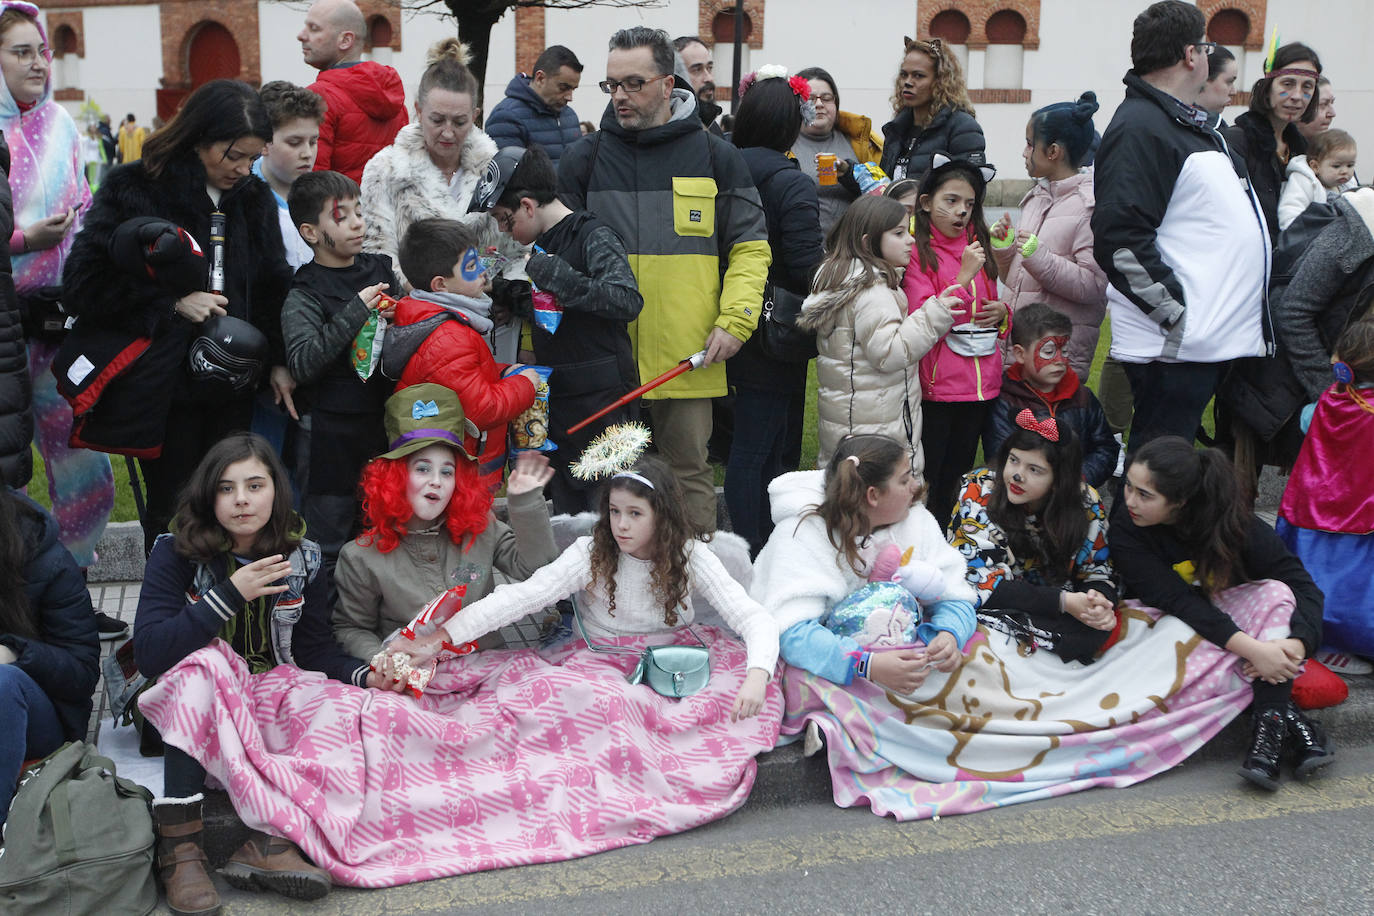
876, 839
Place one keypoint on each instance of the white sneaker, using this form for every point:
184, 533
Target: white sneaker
1344, 663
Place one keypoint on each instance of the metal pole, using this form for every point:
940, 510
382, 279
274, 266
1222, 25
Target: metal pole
739, 55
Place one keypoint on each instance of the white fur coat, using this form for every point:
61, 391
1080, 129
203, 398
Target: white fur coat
401, 185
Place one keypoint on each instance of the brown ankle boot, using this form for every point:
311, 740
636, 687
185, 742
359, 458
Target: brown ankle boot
277, 865
181, 857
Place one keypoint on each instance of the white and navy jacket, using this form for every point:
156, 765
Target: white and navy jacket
1180, 234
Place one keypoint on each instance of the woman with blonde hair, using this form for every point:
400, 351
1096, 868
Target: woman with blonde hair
432, 167
931, 113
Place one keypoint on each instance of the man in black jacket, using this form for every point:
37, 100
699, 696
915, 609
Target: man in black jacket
16, 393
1178, 231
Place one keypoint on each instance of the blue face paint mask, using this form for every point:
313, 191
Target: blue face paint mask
470, 267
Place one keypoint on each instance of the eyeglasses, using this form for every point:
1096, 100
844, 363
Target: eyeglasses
26, 54
629, 84
1206, 47
824, 98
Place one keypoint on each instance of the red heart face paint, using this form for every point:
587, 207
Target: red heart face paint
1050, 350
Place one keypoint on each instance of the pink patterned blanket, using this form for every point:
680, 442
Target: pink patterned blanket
1007, 727
510, 758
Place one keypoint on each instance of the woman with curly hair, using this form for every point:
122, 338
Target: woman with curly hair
931, 113
430, 526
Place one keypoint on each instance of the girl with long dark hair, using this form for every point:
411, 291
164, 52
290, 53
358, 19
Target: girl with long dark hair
1181, 537
1034, 536
196, 173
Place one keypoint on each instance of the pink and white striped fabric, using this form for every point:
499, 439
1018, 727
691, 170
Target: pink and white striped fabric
510, 757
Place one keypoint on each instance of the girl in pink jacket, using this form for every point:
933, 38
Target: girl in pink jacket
962, 373
1049, 256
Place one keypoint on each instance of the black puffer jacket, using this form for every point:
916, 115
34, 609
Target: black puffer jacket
1253, 138
951, 131
16, 394
64, 659
794, 235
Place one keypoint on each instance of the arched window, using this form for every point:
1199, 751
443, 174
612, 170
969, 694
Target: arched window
1229, 27
723, 52
1006, 31
377, 45
212, 54
66, 72
952, 27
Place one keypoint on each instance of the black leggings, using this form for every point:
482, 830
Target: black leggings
949, 438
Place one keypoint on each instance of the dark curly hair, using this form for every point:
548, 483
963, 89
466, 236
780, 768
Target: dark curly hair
672, 531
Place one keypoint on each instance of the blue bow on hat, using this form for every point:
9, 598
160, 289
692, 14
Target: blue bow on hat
422, 409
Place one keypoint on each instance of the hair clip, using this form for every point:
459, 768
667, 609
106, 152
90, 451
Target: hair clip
1046, 428
1343, 373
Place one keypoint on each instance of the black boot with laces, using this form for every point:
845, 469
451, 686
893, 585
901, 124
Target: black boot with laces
1310, 747
1261, 764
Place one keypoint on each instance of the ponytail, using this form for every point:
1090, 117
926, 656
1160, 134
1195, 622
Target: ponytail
859, 462
1213, 517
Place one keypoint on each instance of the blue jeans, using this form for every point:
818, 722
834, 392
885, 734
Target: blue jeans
29, 728
761, 427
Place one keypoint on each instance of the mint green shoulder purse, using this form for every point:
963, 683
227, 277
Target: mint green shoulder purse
672, 671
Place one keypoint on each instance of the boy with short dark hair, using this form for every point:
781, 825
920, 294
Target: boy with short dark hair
1041, 379
450, 309
331, 298
296, 115
581, 262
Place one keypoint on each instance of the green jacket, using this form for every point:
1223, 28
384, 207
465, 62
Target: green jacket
694, 230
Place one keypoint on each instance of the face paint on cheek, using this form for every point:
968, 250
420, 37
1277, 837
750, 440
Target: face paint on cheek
1050, 350
471, 266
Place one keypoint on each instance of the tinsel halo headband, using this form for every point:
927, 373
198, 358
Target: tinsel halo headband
801, 88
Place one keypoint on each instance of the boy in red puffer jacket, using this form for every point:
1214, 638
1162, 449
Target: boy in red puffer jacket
450, 308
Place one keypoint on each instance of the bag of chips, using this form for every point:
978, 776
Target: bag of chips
548, 314
366, 353
530, 430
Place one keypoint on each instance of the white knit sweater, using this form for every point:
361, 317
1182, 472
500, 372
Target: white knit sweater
637, 610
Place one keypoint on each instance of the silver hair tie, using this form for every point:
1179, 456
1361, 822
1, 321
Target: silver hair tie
639, 477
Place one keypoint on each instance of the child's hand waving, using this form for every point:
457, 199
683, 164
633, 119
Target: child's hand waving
255, 579
531, 472
749, 700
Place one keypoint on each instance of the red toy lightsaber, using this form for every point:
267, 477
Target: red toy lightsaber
695, 361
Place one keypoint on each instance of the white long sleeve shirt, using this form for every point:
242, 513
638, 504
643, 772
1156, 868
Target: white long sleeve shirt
637, 609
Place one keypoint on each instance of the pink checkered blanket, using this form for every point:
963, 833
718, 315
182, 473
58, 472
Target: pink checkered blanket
510, 757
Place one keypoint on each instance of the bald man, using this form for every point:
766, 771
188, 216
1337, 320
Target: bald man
366, 100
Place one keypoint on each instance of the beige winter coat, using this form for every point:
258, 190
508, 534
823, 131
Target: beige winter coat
867, 364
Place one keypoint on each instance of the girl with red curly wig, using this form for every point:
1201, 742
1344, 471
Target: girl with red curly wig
429, 524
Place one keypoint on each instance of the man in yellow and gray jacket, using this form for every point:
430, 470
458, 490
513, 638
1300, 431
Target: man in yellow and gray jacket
696, 235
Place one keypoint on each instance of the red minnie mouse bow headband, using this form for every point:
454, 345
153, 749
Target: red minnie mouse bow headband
1047, 427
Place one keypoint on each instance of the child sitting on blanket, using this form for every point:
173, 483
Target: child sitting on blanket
831, 526
1181, 535
1034, 536
429, 522
633, 574
238, 569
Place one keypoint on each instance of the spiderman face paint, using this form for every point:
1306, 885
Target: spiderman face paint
1050, 350
1044, 363
468, 277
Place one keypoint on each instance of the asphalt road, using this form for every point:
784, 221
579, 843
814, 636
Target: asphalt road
1192, 840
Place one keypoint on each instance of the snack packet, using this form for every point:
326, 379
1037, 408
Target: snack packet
872, 180
431, 617
548, 314
366, 353
530, 430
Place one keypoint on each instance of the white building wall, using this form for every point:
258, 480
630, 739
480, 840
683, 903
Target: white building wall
1082, 46
123, 61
